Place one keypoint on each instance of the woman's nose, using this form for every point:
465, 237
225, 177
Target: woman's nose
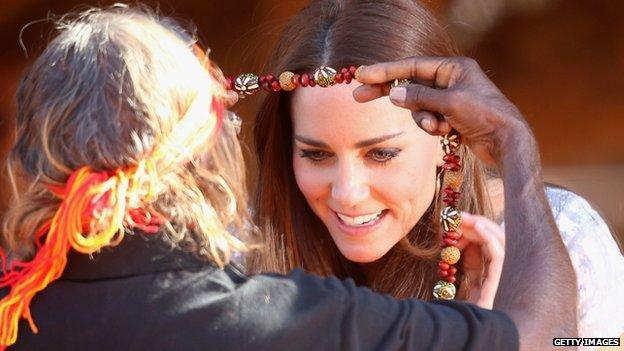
350, 186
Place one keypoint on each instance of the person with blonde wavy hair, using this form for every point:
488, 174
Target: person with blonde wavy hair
129, 207
111, 120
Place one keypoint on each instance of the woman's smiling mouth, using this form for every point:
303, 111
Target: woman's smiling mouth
359, 224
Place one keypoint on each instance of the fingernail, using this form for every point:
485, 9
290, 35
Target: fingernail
398, 95
358, 72
426, 124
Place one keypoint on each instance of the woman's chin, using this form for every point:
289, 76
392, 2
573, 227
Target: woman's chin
362, 256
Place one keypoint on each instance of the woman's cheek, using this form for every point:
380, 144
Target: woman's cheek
407, 193
307, 178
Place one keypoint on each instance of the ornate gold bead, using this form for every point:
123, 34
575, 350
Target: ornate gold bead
450, 254
401, 82
285, 81
453, 179
246, 83
450, 218
325, 76
357, 72
450, 142
444, 290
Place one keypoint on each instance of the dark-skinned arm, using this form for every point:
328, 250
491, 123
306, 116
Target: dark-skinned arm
538, 285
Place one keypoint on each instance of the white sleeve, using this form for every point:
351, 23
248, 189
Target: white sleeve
598, 263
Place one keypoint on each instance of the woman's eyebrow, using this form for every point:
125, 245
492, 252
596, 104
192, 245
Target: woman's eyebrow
377, 140
310, 141
359, 144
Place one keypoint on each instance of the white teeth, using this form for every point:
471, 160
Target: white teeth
359, 220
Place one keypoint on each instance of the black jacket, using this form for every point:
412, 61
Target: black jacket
142, 296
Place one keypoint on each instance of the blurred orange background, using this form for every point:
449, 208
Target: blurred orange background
561, 62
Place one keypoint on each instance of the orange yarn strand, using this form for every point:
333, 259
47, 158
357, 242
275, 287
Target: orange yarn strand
95, 209
94, 203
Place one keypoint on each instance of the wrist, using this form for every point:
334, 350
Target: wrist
519, 162
513, 143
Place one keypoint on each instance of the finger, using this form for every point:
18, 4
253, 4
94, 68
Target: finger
481, 231
487, 235
492, 235
424, 68
493, 228
490, 284
494, 267
444, 127
485, 225
431, 123
420, 97
426, 120
467, 228
365, 93
468, 219
368, 92
473, 259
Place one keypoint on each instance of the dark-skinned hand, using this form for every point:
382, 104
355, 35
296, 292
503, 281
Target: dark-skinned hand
448, 92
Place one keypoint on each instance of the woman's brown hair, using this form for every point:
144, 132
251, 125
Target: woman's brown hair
339, 33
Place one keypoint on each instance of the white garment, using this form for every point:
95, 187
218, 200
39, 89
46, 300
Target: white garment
598, 263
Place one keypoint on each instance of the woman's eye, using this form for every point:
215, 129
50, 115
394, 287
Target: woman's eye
315, 155
383, 155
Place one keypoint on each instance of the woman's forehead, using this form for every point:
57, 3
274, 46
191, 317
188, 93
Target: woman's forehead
327, 111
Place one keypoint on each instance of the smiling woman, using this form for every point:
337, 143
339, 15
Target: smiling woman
366, 170
350, 184
350, 189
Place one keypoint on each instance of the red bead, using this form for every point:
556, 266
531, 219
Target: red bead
442, 273
449, 242
266, 86
452, 271
295, 79
305, 80
452, 235
451, 166
270, 78
451, 158
344, 70
338, 78
262, 79
275, 86
450, 279
312, 82
450, 202
347, 77
443, 265
450, 196
352, 70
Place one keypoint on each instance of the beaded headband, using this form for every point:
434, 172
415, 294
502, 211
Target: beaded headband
450, 216
250, 83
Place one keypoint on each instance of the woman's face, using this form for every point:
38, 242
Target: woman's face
366, 170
